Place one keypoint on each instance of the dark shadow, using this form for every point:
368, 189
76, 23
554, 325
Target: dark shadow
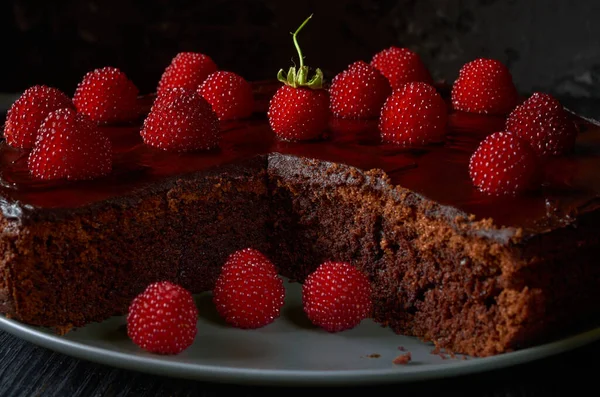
207, 309
116, 334
295, 314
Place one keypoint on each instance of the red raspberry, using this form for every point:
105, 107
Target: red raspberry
337, 296
248, 257
27, 113
229, 94
248, 293
187, 70
163, 319
165, 97
401, 66
414, 115
183, 122
70, 146
484, 86
106, 95
503, 164
358, 92
545, 124
299, 114
299, 110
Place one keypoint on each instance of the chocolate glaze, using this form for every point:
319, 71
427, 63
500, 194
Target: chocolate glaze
438, 172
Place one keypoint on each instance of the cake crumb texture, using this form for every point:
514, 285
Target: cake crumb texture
443, 278
68, 269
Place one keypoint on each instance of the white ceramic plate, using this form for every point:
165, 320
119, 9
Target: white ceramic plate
288, 352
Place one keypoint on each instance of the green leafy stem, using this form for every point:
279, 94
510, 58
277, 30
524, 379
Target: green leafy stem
300, 77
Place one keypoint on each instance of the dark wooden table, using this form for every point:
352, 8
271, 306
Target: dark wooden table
29, 370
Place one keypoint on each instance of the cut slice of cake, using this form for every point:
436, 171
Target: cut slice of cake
464, 283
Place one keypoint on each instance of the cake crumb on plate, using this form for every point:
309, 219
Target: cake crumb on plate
403, 359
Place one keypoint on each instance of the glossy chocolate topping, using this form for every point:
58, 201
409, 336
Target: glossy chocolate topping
438, 172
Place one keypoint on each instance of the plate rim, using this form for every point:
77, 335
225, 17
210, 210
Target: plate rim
162, 366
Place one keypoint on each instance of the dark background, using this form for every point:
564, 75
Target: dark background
549, 45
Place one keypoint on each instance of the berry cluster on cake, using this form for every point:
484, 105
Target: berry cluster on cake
464, 215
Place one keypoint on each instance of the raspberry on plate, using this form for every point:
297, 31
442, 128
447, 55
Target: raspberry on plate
337, 296
248, 293
503, 164
248, 257
70, 146
415, 114
484, 86
401, 66
27, 113
229, 94
163, 319
106, 95
545, 124
182, 122
299, 110
187, 70
358, 92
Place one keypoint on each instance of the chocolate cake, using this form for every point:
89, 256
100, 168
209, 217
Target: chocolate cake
474, 274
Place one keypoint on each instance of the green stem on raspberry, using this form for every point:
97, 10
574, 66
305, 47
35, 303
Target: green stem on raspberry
300, 78
295, 38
